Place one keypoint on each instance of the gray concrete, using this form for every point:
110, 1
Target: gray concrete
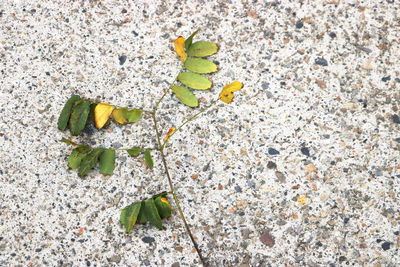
302, 168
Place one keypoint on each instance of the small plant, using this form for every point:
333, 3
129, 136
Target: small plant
79, 112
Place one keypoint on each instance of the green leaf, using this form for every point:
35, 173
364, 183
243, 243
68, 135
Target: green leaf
134, 152
202, 49
188, 41
133, 115
186, 96
68, 141
163, 207
148, 159
77, 155
151, 212
142, 218
194, 80
200, 65
79, 116
107, 161
66, 112
89, 161
129, 216
91, 112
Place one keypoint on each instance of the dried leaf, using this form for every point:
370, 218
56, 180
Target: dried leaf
102, 113
226, 94
134, 152
185, 96
66, 112
148, 159
129, 216
79, 116
200, 65
170, 131
107, 161
188, 41
194, 80
202, 49
180, 48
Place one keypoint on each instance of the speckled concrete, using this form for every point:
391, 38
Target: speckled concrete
301, 169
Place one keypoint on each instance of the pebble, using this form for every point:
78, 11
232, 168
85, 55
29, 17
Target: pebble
386, 245
265, 85
271, 165
122, 59
305, 151
281, 177
250, 183
267, 239
395, 118
299, 24
273, 151
386, 79
148, 239
321, 61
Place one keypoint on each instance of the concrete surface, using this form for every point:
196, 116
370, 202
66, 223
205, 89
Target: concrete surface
301, 169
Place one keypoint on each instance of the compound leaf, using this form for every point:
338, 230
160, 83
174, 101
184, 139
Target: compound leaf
129, 216
107, 161
89, 161
77, 155
194, 80
79, 116
66, 112
102, 113
202, 49
188, 41
200, 65
185, 96
134, 152
148, 159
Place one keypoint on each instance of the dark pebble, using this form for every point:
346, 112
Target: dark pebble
179, 24
176, 264
332, 35
265, 85
378, 240
346, 220
251, 183
273, 151
238, 189
38, 249
386, 79
386, 245
319, 244
396, 233
305, 151
271, 165
395, 118
124, 11
342, 258
397, 80
122, 60
321, 61
299, 24
135, 33
148, 239
87, 263
267, 239
280, 176
241, 213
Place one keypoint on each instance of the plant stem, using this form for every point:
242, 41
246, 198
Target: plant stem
173, 192
189, 120
166, 91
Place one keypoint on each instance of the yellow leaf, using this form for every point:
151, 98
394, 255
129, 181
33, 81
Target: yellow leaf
226, 94
170, 131
101, 114
180, 48
119, 117
302, 200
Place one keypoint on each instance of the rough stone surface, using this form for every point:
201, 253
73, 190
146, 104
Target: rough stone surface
322, 75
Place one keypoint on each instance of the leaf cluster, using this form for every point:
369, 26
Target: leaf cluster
149, 210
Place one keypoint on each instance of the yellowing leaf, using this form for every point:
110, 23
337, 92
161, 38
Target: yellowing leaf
163, 199
302, 200
170, 131
226, 94
180, 48
119, 116
101, 114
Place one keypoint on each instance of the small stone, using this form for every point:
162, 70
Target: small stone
321, 61
251, 183
310, 168
148, 239
273, 151
299, 24
386, 245
332, 35
241, 204
238, 189
280, 176
386, 79
265, 85
122, 59
115, 258
395, 118
180, 249
272, 165
175, 264
321, 84
267, 239
305, 151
